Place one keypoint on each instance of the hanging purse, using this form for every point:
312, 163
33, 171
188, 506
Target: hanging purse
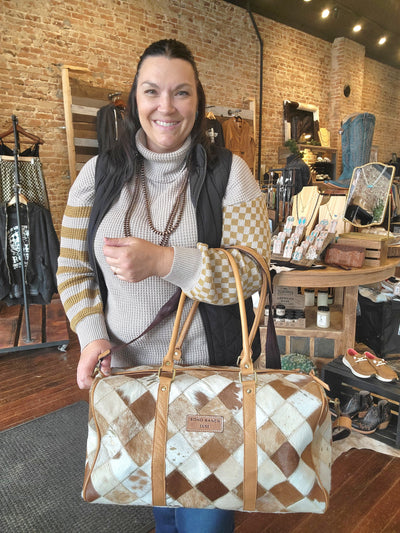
210, 437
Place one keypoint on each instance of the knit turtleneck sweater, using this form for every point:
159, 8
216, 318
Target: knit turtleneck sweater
131, 307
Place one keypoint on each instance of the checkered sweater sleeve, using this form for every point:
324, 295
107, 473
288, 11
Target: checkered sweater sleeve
245, 221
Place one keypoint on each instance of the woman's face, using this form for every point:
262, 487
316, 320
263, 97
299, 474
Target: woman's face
166, 98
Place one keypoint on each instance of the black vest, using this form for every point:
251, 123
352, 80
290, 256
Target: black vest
207, 183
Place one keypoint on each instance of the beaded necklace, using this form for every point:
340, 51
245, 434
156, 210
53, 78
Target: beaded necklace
175, 217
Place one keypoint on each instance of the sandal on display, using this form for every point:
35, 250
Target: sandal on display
358, 364
377, 417
358, 404
383, 371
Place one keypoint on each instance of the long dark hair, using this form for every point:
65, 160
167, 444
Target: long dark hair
122, 158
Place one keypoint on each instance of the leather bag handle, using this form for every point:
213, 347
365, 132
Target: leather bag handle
246, 363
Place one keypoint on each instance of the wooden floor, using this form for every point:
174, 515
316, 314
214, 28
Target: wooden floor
365, 485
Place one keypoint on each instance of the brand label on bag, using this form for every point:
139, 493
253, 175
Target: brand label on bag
213, 424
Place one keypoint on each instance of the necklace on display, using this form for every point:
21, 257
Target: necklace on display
174, 218
371, 186
302, 215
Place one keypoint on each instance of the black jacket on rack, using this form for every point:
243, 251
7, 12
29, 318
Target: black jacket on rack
41, 250
108, 124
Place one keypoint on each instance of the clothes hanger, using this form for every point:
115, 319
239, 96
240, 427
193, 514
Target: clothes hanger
117, 100
21, 130
22, 200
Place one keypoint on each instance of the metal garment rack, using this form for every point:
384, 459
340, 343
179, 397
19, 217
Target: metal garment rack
13, 336
17, 191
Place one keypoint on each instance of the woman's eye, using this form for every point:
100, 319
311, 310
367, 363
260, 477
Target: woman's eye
150, 92
182, 93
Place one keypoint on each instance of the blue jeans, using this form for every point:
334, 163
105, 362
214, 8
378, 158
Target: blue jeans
356, 144
183, 520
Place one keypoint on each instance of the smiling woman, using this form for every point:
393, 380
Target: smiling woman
146, 220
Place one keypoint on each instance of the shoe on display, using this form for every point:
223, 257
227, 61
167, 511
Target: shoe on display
382, 370
377, 417
358, 404
358, 364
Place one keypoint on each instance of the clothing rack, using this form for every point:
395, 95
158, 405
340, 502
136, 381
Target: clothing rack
14, 335
17, 193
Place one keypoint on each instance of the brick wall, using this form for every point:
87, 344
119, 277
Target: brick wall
107, 36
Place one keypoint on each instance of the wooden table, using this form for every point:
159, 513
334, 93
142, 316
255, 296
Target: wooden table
343, 316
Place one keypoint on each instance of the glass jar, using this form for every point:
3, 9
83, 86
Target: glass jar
280, 311
323, 316
309, 297
322, 298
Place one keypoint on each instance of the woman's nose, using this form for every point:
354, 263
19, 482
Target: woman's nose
166, 103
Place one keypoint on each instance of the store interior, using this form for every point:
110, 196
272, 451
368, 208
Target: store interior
311, 105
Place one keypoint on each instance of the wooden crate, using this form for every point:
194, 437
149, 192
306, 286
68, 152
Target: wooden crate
376, 246
343, 384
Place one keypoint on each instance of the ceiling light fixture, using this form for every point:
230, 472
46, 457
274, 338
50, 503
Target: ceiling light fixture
357, 28
325, 13
382, 40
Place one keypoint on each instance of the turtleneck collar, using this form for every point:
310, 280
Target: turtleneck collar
162, 166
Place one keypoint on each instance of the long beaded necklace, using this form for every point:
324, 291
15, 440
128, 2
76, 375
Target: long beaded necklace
174, 218
304, 209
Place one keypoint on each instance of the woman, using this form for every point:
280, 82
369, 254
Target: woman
162, 201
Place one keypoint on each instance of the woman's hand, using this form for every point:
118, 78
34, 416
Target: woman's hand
88, 361
134, 260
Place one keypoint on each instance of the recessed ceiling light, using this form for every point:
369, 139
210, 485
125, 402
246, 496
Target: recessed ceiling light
382, 40
307, 0
357, 27
325, 13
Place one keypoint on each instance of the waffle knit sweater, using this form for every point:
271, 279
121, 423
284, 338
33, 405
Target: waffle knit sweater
201, 273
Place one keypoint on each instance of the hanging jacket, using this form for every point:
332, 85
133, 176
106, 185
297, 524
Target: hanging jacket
207, 183
108, 124
41, 251
239, 139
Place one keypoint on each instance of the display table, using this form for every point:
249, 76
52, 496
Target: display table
335, 340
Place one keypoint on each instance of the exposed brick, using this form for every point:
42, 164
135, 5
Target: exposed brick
37, 38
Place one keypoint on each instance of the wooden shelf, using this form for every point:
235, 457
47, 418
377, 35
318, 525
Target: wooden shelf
334, 331
340, 336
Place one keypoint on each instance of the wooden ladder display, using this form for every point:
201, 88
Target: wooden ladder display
82, 100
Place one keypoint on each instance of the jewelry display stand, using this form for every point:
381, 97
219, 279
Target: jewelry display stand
306, 205
334, 209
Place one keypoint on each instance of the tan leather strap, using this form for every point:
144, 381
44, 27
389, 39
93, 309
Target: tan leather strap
266, 281
246, 363
248, 378
341, 428
160, 442
184, 330
250, 445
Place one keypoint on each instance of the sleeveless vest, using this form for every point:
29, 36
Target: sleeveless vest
207, 184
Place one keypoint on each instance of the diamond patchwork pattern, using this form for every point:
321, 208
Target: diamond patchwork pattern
204, 469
